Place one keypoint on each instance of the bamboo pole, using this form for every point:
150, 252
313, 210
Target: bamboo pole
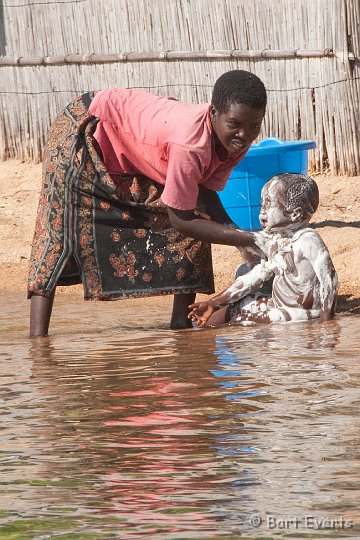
163, 55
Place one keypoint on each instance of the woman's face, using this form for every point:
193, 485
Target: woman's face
237, 128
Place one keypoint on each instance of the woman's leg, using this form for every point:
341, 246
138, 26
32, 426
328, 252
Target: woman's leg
40, 313
179, 319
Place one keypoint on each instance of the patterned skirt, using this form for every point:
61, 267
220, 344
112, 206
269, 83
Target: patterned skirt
110, 233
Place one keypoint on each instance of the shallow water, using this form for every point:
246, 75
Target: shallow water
135, 431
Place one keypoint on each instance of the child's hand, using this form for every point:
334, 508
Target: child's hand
201, 312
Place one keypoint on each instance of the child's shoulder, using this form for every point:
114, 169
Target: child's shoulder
308, 239
308, 233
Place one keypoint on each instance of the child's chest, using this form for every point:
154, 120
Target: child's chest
285, 256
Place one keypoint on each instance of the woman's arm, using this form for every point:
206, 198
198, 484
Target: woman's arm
218, 229
209, 203
190, 224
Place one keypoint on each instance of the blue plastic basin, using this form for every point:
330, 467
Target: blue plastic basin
241, 197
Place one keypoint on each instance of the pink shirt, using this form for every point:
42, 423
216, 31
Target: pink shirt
167, 140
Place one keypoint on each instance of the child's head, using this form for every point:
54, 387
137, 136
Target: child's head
287, 201
237, 109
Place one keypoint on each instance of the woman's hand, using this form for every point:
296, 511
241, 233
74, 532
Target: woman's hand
201, 312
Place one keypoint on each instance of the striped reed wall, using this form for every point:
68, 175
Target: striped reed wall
315, 97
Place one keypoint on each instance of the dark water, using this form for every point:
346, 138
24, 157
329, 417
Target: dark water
135, 431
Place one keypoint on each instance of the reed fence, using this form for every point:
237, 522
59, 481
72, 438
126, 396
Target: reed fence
306, 52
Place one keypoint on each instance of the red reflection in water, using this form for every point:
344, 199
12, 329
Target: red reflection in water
154, 418
167, 388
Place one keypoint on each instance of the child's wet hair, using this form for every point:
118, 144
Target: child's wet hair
238, 86
298, 190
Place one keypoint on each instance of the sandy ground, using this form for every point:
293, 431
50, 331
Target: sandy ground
337, 221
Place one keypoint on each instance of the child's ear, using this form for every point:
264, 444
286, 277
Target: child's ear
297, 214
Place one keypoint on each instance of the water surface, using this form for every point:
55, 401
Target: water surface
114, 428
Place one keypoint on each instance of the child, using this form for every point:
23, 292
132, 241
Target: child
304, 279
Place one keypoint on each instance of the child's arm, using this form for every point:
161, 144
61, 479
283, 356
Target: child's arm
318, 255
243, 285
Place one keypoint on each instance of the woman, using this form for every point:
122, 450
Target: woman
129, 204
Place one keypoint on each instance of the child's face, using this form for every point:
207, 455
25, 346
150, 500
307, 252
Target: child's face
237, 128
273, 215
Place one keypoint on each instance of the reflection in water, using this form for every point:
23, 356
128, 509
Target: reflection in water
166, 434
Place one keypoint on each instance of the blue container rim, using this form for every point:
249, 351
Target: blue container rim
273, 145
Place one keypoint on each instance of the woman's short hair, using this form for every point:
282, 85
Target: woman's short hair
238, 86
